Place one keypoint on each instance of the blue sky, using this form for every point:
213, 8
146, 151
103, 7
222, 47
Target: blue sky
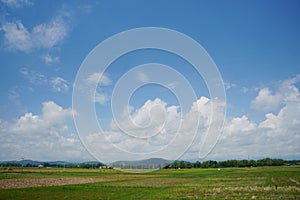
255, 45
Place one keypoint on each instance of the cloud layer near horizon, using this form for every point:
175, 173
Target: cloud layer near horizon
47, 136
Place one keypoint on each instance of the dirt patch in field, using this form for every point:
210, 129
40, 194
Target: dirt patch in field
38, 182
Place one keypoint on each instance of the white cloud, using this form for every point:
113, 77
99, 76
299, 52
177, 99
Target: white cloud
288, 89
272, 121
275, 136
100, 98
33, 76
49, 60
44, 136
153, 127
99, 78
287, 92
153, 117
94, 79
59, 84
52, 118
266, 101
18, 37
17, 3
239, 124
49, 35
229, 85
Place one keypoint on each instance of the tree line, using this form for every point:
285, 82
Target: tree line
173, 165
53, 165
232, 163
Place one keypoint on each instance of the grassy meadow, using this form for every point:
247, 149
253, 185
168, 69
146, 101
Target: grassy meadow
226, 183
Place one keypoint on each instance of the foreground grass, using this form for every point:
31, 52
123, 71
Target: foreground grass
231, 183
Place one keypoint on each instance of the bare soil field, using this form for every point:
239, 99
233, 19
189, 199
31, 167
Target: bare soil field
37, 182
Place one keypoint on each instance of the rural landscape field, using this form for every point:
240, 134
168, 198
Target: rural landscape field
131, 99
212, 183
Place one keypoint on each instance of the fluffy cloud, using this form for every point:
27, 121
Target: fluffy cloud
153, 117
265, 101
18, 37
239, 124
52, 118
287, 92
43, 137
277, 135
157, 129
288, 89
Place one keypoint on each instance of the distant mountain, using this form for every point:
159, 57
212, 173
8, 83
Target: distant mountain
152, 163
33, 163
92, 162
24, 162
147, 163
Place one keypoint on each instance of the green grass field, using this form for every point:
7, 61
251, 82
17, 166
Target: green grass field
230, 183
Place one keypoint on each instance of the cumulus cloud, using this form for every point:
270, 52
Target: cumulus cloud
266, 101
238, 124
157, 129
288, 89
42, 36
277, 135
53, 117
158, 126
153, 117
41, 136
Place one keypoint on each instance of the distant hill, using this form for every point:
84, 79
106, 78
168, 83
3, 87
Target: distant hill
33, 163
147, 163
